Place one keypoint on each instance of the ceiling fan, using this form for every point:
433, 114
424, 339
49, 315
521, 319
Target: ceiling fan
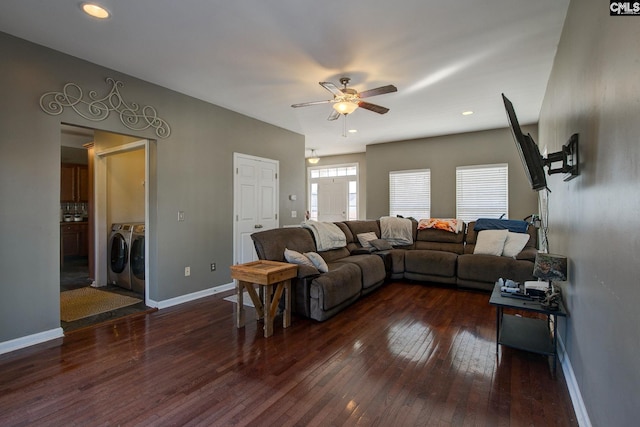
346, 100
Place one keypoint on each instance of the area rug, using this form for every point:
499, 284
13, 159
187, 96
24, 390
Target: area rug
88, 301
246, 299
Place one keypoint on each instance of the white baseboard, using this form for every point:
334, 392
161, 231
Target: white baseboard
192, 297
29, 340
572, 384
22, 342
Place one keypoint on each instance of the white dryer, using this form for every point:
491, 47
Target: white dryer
118, 251
136, 258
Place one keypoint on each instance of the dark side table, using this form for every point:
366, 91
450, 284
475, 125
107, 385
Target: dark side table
526, 333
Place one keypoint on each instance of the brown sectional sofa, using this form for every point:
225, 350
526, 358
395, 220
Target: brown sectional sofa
436, 256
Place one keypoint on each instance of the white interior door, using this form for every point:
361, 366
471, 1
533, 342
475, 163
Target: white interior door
333, 199
255, 202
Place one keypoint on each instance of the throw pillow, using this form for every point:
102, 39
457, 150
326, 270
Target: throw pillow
514, 244
490, 242
366, 238
297, 258
381, 244
317, 261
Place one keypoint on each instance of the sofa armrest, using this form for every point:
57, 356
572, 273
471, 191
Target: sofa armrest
363, 251
305, 271
527, 254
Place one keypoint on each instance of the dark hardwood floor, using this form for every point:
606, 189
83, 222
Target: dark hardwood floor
408, 354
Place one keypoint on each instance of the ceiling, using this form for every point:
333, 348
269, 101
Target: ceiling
258, 57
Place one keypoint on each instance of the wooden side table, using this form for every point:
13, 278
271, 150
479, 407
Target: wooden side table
267, 274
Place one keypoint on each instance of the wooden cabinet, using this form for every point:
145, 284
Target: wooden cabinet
74, 183
74, 239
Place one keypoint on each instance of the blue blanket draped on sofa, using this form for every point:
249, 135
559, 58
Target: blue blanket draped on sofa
514, 225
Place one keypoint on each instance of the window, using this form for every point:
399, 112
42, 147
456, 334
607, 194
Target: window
313, 202
353, 200
482, 191
410, 193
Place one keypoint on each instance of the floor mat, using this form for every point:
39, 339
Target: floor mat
88, 301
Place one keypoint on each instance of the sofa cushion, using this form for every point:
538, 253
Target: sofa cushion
381, 245
432, 263
529, 248
440, 240
352, 242
490, 242
489, 268
270, 244
364, 226
334, 255
339, 284
371, 268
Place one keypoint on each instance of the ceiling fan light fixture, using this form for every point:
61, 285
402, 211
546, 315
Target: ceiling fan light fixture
314, 159
345, 107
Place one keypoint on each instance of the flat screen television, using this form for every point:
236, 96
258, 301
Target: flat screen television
528, 149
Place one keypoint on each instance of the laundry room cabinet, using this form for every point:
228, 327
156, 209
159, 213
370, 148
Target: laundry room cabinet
74, 183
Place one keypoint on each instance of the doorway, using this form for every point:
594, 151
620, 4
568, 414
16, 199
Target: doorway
333, 192
117, 193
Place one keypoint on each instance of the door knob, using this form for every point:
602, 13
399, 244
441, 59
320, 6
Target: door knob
257, 226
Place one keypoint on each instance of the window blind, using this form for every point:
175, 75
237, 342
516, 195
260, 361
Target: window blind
410, 193
482, 192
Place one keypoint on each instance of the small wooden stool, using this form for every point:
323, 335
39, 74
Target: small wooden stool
267, 274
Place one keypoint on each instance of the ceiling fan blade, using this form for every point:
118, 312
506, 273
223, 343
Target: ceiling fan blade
334, 115
373, 107
332, 88
378, 91
306, 104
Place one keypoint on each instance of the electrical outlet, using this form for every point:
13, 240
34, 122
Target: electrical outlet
213, 266
294, 214
187, 271
180, 216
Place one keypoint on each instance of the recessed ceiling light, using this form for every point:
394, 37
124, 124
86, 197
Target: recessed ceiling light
95, 10
467, 113
353, 130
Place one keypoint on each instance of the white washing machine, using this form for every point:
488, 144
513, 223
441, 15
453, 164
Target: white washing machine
118, 252
136, 258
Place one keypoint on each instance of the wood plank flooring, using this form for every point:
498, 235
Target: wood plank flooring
406, 355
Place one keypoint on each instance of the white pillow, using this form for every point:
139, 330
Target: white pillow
366, 238
514, 244
317, 261
297, 258
490, 242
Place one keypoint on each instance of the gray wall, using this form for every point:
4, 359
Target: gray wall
441, 155
594, 90
193, 170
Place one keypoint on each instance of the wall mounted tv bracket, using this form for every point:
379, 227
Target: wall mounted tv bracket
569, 158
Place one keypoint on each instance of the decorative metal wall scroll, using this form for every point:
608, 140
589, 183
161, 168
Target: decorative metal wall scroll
98, 109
